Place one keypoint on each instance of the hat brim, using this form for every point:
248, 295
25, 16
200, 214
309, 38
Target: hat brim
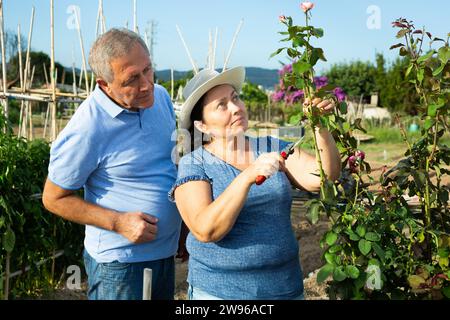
234, 77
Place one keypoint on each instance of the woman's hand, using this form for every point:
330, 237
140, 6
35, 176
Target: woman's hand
323, 106
265, 165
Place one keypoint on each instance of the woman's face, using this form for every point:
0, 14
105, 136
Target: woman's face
224, 113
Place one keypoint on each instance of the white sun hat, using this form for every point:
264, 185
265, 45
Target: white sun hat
201, 83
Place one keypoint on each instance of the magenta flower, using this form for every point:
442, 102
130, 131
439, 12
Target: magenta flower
277, 96
306, 6
320, 81
360, 155
340, 94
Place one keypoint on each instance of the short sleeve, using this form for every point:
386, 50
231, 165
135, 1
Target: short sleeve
73, 157
190, 168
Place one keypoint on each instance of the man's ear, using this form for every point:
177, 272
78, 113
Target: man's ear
201, 126
103, 84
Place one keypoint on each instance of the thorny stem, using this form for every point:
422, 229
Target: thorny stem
310, 95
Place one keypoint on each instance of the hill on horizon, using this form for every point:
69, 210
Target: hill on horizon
267, 78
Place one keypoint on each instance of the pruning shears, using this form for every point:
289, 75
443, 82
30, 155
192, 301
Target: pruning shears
285, 153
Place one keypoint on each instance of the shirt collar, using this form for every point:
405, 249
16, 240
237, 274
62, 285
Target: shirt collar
104, 101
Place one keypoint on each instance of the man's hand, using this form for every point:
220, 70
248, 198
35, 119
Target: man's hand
182, 252
138, 227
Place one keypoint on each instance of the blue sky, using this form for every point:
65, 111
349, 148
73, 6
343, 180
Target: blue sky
347, 35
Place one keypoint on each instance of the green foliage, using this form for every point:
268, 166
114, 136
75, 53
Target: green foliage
410, 247
355, 78
37, 60
28, 232
363, 79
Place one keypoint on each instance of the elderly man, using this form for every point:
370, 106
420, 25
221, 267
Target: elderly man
118, 147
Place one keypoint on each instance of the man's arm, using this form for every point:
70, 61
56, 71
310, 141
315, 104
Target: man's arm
137, 227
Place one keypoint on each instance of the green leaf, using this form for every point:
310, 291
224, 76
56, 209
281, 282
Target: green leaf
353, 236
343, 107
292, 53
420, 75
398, 45
429, 122
330, 258
444, 54
446, 292
9, 239
364, 246
378, 250
408, 71
346, 127
352, 272
402, 33
403, 52
324, 272
277, 52
295, 119
331, 238
361, 231
335, 248
432, 108
372, 236
313, 212
318, 32
300, 67
439, 70
426, 56
339, 274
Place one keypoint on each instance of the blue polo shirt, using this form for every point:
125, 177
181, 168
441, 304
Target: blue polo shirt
123, 160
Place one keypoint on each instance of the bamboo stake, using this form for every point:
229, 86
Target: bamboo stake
2, 40
92, 81
19, 54
97, 21
135, 29
82, 52
46, 93
52, 68
209, 60
46, 75
103, 18
194, 66
232, 45
22, 76
171, 84
30, 35
214, 50
30, 110
75, 93
47, 113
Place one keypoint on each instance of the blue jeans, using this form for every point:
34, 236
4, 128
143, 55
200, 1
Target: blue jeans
198, 294
124, 281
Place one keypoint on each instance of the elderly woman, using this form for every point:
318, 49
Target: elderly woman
241, 242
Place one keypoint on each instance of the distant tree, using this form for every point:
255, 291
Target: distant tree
355, 78
37, 59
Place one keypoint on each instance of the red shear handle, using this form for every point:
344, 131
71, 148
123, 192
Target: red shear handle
260, 179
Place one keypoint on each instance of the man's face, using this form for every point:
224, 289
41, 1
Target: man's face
133, 85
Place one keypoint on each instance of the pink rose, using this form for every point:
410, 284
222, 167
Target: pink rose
282, 18
352, 161
306, 6
360, 155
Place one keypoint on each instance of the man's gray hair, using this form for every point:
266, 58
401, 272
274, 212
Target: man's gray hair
111, 45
